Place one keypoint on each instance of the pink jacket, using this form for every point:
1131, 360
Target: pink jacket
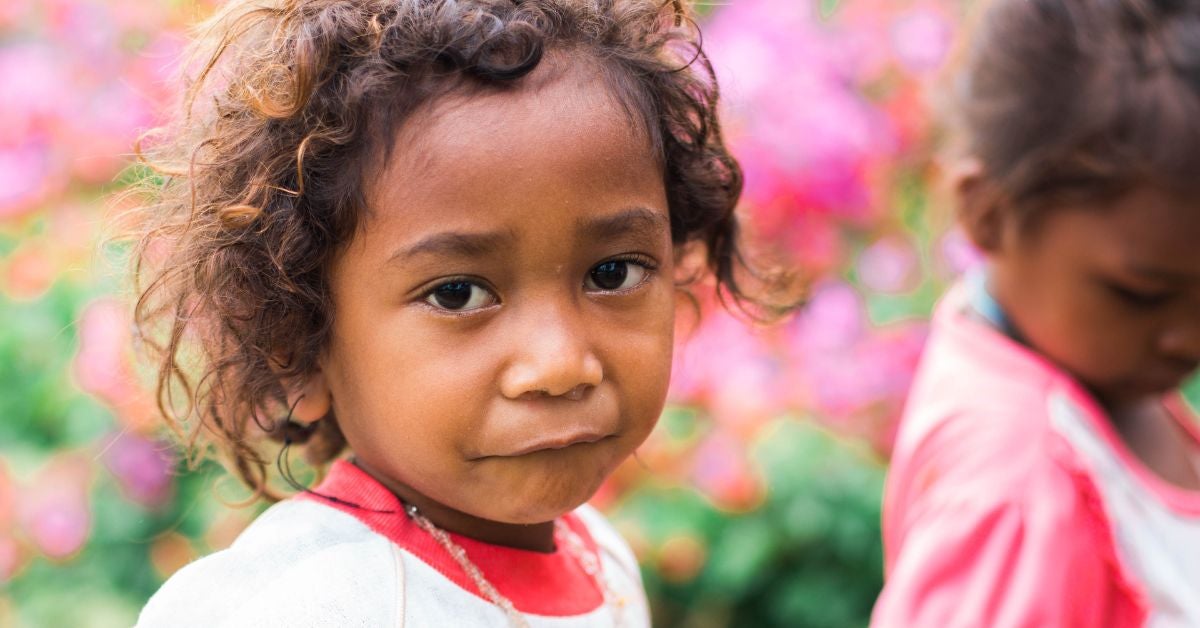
995, 514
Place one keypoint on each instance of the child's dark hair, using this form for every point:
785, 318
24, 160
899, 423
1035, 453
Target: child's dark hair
1082, 100
289, 102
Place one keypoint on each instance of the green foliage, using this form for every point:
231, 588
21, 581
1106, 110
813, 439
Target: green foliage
44, 416
810, 555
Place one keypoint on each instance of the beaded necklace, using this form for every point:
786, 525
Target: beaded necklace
589, 562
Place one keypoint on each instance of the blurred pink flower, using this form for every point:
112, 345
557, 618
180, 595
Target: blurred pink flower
105, 133
889, 265
726, 365
921, 38
25, 178
958, 253
74, 99
806, 138
8, 499
53, 508
33, 97
11, 553
88, 30
12, 556
103, 364
721, 470
833, 319
29, 272
876, 374
840, 367
100, 365
13, 12
142, 466
37, 92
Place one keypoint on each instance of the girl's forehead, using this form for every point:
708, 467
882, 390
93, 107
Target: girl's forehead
563, 101
540, 159
510, 131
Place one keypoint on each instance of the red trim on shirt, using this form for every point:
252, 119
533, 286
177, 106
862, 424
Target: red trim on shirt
552, 584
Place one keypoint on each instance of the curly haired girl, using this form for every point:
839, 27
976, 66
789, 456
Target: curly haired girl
436, 243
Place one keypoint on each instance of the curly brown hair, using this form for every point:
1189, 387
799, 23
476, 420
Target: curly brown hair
289, 103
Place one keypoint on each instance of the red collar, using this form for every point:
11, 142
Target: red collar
552, 584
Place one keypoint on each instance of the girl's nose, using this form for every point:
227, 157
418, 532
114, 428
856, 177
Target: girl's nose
551, 356
1182, 340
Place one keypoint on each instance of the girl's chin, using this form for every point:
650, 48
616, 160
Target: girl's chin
534, 511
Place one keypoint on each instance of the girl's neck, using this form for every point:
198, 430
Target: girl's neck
536, 537
1150, 430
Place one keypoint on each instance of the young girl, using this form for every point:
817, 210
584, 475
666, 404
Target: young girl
440, 236
1046, 471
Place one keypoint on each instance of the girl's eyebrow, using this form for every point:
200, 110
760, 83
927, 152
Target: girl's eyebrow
454, 244
480, 244
632, 220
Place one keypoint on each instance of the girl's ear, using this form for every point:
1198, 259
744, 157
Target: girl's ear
310, 400
981, 210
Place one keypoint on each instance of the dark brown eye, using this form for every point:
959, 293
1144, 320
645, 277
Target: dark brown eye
616, 275
460, 296
610, 275
1139, 298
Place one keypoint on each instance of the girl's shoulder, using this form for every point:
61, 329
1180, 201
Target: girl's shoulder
981, 407
298, 564
991, 512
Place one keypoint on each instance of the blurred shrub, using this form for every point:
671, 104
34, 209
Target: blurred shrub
808, 554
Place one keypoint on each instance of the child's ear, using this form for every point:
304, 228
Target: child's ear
981, 210
309, 398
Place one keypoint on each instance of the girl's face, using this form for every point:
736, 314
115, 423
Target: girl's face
1112, 294
503, 319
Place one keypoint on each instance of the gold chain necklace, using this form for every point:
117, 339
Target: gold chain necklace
589, 562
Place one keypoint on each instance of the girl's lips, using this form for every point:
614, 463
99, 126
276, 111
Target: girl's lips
558, 441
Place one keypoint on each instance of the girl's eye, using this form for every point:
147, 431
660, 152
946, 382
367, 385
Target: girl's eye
460, 296
1139, 298
616, 275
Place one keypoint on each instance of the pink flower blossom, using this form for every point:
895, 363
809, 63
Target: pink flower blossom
722, 471
806, 138
54, 510
103, 364
141, 465
921, 38
889, 265
727, 366
29, 273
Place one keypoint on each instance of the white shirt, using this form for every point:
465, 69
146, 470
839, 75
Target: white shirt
310, 562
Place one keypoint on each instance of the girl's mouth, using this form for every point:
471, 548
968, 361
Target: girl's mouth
556, 441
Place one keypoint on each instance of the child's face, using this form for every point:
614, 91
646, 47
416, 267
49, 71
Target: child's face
503, 319
1112, 293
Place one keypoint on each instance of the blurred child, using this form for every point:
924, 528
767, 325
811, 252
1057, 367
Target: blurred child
1047, 472
440, 236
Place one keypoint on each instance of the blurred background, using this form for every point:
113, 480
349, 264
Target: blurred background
757, 500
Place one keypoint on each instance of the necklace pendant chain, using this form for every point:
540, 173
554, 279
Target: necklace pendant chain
588, 561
